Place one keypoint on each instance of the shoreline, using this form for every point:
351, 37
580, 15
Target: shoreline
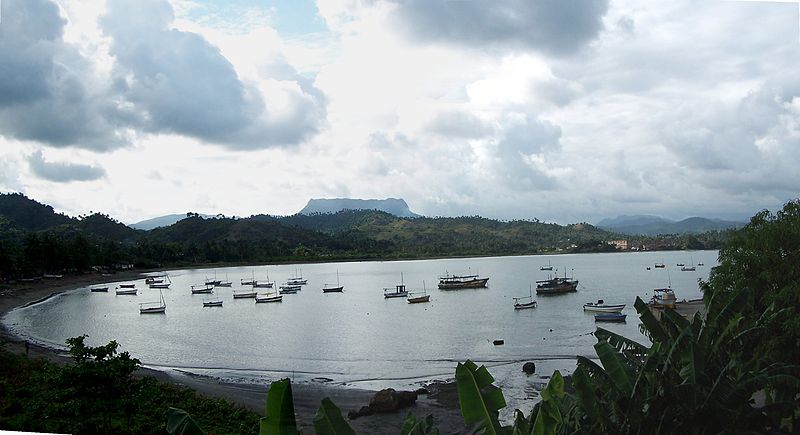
442, 402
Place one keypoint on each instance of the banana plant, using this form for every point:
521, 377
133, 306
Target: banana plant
279, 416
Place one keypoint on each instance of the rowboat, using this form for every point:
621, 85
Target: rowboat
99, 289
610, 317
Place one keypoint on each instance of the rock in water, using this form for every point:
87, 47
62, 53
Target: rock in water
529, 368
389, 400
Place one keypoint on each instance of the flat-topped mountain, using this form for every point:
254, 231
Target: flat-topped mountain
394, 206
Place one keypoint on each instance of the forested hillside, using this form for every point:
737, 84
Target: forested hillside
34, 239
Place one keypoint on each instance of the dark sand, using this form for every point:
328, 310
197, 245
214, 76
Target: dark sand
442, 403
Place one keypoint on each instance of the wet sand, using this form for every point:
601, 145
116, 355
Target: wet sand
442, 402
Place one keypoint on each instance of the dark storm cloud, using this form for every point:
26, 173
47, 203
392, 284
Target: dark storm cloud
553, 26
177, 82
63, 172
43, 91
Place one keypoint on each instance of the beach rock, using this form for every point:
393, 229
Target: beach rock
422, 391
529, 368
389, 400
363, 412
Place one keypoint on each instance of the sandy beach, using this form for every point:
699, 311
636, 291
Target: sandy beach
442, 402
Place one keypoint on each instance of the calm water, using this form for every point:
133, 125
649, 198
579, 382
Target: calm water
359, 338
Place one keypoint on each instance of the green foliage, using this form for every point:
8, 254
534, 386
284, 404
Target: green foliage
329, 421
99, 394
480, 400
412, 426
179, 422
279, 416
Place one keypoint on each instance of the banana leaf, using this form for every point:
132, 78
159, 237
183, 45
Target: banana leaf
412, 426
279, 414
652, 326
549, 416
480, 400
179, 422
329, 421
619, 372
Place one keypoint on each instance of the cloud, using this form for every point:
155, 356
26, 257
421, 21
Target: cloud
47, 92
63, 172
550, 26
459, 124
174, 81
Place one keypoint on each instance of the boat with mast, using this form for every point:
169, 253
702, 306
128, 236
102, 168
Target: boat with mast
161, 283
268, 297
338, 289
126, 291
399, 290
601, 307
525, 302
154, 307
213, 302
548, 267
251, 281
556, 285
417, 298
286, 289
202, 289
456, 282
244, 294
225, 283
297, 279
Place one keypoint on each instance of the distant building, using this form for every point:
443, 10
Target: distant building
622, 245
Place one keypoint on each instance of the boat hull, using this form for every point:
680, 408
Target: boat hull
100, 289
610, 317
473, 283
339, 289
212, 304
603, 308
269, 299
561, 288
525, 306
244, 295
158, 310
419, 299
127, 291
395, 295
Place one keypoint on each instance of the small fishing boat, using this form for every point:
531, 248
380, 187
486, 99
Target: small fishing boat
548, 267
202, 289
679, 264
664, 297
338, 289
660, 265
601, 307
556, 285
126, 291
246, 294
420, 297
127, 285
268, 297
456, 282
399, 291
610, 317
154, 307
525, 302
99, 289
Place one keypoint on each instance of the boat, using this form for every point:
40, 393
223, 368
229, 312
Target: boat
225, 283
610, 317
154, 307
126, 291
601, 307
548, 267
202, 289
263, 284
337, 289
250, 281
99, 289
688, 269
399, 291
161, 283
247, 294
556, 285
660, 265
212, 302
419, 298
525, 302
288, 290
454, 282
268, 297
297, 279
290, 287
127, 285
153, 280
700, 264
212, 281
680, 264
663, 297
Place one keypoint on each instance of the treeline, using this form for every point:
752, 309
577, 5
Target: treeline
35, 240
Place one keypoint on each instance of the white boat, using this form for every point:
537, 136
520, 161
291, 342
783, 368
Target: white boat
126, 291
251, 281
163, 282
548, 267
525, 302
602, 307
245, 294
215, 302
154, 307
153, 280
288, 290
297, 279
664, 297
329, 289
263, 284
225, 283
202, 289
399, 291
268, 297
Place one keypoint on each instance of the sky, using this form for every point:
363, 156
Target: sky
563, 111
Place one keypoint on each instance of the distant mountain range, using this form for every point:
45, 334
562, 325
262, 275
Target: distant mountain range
393, 206
649, 225
162, 221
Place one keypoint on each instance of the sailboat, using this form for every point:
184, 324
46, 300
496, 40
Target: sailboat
244, 294
297, 279
251, 281
688, 268
425, 297
202, 289
154, 307
548, 267
225, 283
520, 302
399, 291
269, 297
337, 289
214, 302
263, 284
165, 282
126, 291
